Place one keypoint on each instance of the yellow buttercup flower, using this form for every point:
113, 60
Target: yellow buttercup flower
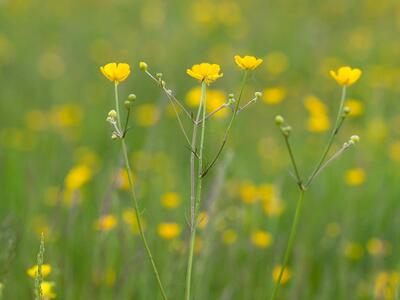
247, 62
346, 76
116, 72
46, 270
205, 72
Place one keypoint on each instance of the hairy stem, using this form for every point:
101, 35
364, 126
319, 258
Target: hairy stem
135, 202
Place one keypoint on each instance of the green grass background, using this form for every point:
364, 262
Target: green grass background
50, 52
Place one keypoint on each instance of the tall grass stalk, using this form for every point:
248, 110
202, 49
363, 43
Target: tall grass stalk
135, 202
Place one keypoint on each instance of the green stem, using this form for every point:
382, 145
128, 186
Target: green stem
289, 246
331, 138
197, 200
235, 111
136, 205
296, 170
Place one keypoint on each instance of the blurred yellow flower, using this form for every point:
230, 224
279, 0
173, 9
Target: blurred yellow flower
261, 239
276, 62
205, 72
168, 231
318, 120
202, 220
318, 123
346, 76
68, 115
387, 285
248, 193
216, 98
229, 236
247, 62
116, 72
122, 180
77, 177
285, 275
106, 222
394, 151
333, 230
170, 200
355, 177
356, 107
47, 288
46, 270
274, 95
273, 206
353, 251
147, 115
110, 277
377, 247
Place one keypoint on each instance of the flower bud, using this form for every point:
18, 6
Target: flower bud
127, 104
286, 130
159, 75
231, 96
112, 114
143, 66
131, 97
257, 94
346, 110
114, 136
355, 138
279, 120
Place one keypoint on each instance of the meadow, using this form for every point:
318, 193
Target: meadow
63, 176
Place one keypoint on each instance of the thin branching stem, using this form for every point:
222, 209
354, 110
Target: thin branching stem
170, 95
135, 202
227, 131
335, 130
196, 185
293, 160
254, 100
225, 105
289, 246
172, 99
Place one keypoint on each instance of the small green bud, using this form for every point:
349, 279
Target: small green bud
162, 83
231, 96
112, 114
355, 138
131, 97
346, 110
127, 104
143, 66
257, 94
159, 75
114, 136
279, 120
286, 130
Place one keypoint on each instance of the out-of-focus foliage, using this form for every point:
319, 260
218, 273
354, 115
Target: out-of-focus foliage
61, 174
